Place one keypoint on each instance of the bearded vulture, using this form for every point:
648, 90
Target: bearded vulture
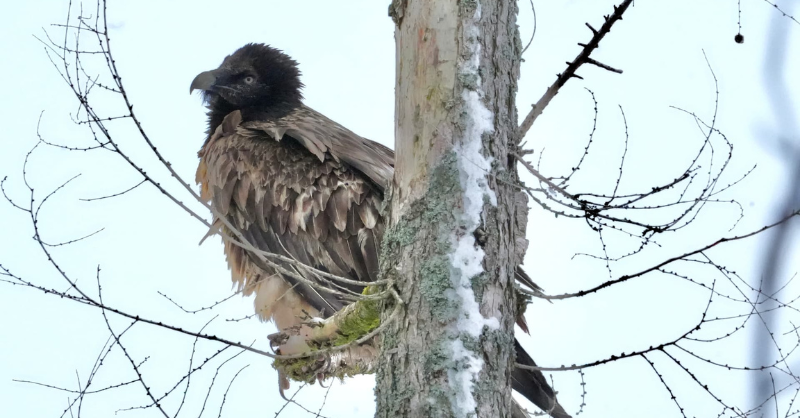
299, 185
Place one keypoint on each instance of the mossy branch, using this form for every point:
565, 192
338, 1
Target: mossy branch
355, 326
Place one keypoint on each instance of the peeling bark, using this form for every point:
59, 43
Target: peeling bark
418, 375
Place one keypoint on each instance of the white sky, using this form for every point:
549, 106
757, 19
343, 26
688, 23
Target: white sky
346, 53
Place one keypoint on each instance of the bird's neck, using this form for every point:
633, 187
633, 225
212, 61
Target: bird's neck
272, 111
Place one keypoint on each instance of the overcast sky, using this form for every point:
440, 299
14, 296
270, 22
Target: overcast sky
346, 54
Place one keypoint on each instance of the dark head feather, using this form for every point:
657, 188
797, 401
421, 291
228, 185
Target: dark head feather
259, 80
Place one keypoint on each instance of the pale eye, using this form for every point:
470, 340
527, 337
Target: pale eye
249, 79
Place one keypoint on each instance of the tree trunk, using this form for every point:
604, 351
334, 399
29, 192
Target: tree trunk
450, 245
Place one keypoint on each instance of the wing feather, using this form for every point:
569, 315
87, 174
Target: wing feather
368, 214
322, 136
369, 250
337, 208
222, 194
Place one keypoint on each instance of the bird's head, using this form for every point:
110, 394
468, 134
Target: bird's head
256, 77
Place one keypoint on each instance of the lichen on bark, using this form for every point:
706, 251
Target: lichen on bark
435, 208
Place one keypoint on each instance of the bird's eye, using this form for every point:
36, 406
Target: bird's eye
249, 79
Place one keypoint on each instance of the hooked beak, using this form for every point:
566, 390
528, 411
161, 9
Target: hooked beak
203, 81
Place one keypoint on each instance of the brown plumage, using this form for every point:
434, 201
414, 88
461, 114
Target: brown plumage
292, 190
298, 184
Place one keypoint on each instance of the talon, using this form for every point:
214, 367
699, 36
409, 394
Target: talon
282, 337
326, 363
283, 384
314, 322
275, 342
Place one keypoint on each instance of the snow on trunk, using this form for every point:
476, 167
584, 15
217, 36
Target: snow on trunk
467, 257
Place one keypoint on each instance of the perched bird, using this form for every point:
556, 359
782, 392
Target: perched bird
300, 185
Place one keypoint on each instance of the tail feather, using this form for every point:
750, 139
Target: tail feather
532, 385
523, 278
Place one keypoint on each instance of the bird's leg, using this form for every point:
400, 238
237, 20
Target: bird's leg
301, 337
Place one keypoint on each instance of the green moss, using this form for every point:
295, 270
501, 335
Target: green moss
305, 369
364, 318
300, 370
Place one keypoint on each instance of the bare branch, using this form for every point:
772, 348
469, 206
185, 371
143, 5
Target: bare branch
573, 66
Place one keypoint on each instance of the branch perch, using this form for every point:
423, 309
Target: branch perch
342, 345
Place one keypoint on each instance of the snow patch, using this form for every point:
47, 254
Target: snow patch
467, 258
461, 378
